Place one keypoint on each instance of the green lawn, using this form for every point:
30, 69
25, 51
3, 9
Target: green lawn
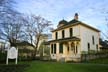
38, 66
41, 66
98, 61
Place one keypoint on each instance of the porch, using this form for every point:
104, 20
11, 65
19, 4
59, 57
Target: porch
65, 50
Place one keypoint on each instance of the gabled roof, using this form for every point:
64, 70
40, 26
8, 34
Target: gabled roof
63, 22
73, 23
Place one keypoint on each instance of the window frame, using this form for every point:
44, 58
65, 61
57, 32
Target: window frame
51, 48
97, 47
71, 32
93, 41
56, 35
88, 46
60, 47
54, 48
63, 33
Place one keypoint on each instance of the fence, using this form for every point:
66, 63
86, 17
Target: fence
86, 57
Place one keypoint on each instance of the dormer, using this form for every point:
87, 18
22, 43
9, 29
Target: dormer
62, 23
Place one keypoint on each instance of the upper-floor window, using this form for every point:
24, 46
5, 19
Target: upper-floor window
56, 35
93, 40
71, 32
63, 33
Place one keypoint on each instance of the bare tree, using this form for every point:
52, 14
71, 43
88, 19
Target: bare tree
36, 26
11, 21
6, 8
106, 35
12, 28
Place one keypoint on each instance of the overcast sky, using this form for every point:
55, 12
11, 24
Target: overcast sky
92, 12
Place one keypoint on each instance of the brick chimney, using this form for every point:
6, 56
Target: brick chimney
76, 16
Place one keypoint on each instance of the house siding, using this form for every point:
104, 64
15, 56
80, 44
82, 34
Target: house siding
84, 33
86, 37
76, 32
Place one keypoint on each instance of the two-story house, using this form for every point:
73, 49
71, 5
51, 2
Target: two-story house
72, 38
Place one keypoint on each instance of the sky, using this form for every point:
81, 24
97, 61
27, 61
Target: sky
91, 12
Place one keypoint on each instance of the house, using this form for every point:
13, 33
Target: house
71, 39
25, 49
2, 46
43, 38
103, 45
41, 50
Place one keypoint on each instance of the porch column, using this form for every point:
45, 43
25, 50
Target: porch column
50, 49
57, 51
75, 46
43, 50
69, 47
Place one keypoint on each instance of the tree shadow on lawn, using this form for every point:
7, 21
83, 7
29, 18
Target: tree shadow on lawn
13, 68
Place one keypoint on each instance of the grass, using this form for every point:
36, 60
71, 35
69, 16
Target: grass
12, 67
38, 66
98, 61
41, 66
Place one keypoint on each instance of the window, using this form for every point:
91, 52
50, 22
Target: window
51, 48
93, 40
61, 48
76, 49
97, 47
55, 48
71, 32
63, 33
68, 49
56, 35
88, 46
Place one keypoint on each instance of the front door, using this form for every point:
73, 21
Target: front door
72, 48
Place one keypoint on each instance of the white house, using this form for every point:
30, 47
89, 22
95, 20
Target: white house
73, 38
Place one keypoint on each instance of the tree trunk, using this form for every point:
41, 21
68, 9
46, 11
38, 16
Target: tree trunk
35, 51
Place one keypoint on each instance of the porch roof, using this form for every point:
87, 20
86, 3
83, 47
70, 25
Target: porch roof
66, 39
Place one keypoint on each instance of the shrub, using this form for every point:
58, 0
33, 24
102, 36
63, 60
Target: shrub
3, 56
84, 52
92, 52
25, 58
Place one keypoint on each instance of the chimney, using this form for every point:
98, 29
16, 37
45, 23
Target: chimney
76, 16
